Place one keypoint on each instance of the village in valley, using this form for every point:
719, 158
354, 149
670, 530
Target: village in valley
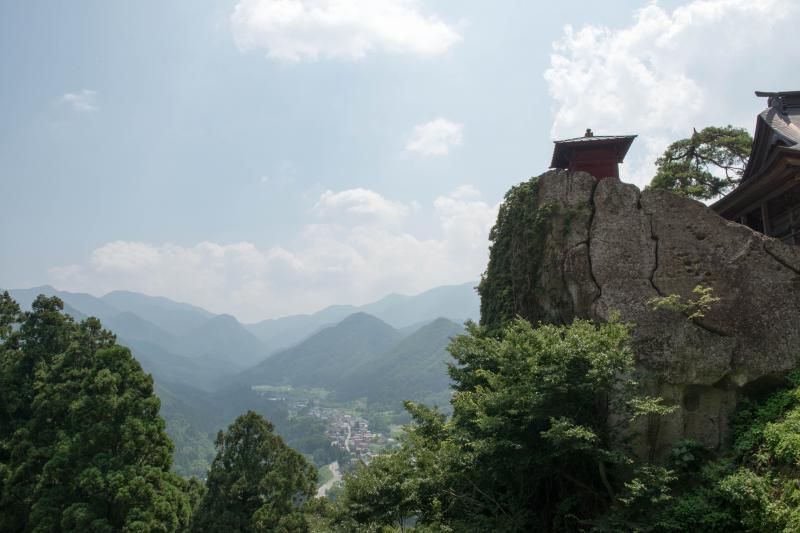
351, 433
345, 428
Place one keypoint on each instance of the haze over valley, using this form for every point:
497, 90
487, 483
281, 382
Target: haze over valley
209, 368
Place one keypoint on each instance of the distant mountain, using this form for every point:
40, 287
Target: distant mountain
222, 337
74, 313
204, 364
129, 325
279, 333
200, 372
173, 317
155, 327
194, 417
413, 369
194, 448
85, 304
178, 331
455, 302
362, 356
326, 357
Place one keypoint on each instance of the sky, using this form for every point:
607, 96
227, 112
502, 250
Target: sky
269, 157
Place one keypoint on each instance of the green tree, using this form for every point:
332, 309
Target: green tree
754, 487
256, 482
535, 442
706, 165
85, 447
386, 492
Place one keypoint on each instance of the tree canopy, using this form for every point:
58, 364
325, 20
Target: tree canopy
256, 482
708, 164
531, 444
82, 445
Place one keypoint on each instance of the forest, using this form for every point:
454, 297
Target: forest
528, 447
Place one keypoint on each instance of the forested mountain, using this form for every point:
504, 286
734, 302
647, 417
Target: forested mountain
223, 338
201, 372
283, 332
154, 326
414, 368
86, 304
131, 326
363, 357
455, 302
204, 364
175, 317
326, 357
187, 330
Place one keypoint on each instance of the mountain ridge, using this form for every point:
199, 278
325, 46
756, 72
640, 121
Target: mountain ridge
324, 356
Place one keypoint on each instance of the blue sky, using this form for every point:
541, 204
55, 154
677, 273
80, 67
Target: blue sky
267, 157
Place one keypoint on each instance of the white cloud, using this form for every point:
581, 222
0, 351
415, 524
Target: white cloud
84, 100
341, 259
666, 73
436, 137
360, 202
308, 30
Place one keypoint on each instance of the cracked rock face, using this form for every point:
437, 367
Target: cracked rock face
631, 246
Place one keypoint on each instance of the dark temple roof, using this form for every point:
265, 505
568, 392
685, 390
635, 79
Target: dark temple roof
777, 127
563, 148
776, 151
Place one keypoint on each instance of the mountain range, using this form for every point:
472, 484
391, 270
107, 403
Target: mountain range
182, 343
205, 365
362, 356
455, 302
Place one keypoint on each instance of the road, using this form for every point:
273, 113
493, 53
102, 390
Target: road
337, 476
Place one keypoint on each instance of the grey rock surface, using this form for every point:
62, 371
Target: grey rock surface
621, 247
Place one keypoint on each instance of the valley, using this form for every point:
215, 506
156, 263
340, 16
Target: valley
344, 370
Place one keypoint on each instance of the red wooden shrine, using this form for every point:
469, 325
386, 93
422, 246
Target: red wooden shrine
598, 155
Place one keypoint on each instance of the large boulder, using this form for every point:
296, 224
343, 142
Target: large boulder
609, 247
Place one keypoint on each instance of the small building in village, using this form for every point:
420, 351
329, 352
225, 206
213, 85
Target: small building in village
768, 197
599, 155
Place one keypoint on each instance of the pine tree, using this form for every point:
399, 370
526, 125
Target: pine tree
256, 482
85, 447
708, 164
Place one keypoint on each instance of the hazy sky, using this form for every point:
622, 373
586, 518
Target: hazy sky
267, 157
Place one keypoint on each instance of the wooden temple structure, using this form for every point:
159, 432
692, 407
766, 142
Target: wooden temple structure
598, 155
768, 197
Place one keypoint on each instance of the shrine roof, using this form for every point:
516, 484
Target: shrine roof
777, 127
563, 147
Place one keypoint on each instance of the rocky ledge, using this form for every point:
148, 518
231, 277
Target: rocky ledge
610, 247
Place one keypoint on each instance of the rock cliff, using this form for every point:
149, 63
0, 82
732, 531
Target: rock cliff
569, 246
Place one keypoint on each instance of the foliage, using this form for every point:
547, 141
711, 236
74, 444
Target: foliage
693, 309
413, 368
514, 256
706, 165
383, 493
83, 446
753, 488
194, 418
256, 482
324, 474
531, 444
306, 434
194, 451
511, 286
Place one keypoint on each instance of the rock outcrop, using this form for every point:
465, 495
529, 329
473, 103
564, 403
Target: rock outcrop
609, 247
